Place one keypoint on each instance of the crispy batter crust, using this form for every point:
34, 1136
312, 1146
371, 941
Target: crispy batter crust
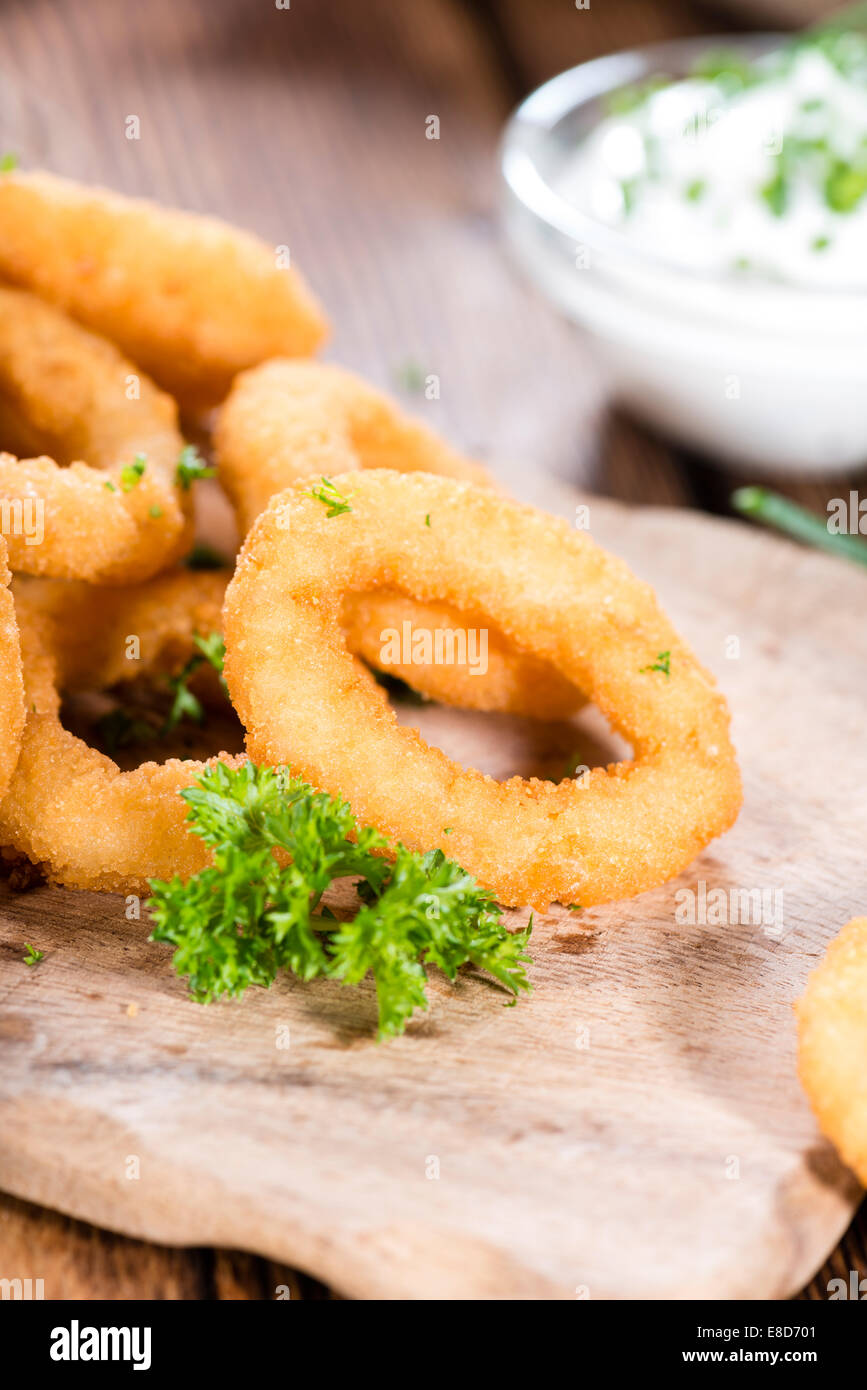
514, 681
68, 806
547, 588
189, 298
66, 390
832, 1044
284, 421
11, 684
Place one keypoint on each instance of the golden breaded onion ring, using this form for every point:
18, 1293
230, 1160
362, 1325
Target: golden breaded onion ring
65, 390
68, 806
189, 298
284, 421
832, 1044
546, 587
514, 682
11, 684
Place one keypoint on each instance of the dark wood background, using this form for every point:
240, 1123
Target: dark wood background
307, 125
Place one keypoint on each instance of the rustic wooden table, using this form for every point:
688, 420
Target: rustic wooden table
307, 124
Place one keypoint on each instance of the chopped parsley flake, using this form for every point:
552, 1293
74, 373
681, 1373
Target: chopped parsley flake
410, 376
132, 473
191, 467
329, 495
662, 664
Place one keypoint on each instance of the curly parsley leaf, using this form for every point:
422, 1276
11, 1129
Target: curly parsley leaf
278, 845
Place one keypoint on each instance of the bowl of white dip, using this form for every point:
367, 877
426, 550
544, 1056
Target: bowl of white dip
699, 208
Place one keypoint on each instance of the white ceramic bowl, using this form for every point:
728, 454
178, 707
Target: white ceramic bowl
745, 370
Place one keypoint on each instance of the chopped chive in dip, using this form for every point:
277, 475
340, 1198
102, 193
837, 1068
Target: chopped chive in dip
748, 161
776, 192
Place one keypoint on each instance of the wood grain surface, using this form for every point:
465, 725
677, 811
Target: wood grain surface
307, 125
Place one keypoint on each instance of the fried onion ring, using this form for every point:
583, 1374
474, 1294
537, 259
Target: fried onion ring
69, 806
832, 1044
67, 390
189, 298
285, 421
11, 685
547, 588
514, 681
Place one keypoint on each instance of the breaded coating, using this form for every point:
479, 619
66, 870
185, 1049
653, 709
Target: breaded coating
115, 513
832, 1044
189, 298
284, 421
11, 683
68, 806
548, 589
289, 420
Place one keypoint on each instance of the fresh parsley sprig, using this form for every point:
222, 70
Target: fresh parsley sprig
278, 845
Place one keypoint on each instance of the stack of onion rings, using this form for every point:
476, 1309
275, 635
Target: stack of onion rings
190, 299
419, 540
832, 1044
285, 421
552, 592
120, 515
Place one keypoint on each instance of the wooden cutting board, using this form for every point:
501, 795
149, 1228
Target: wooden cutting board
633, 1129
